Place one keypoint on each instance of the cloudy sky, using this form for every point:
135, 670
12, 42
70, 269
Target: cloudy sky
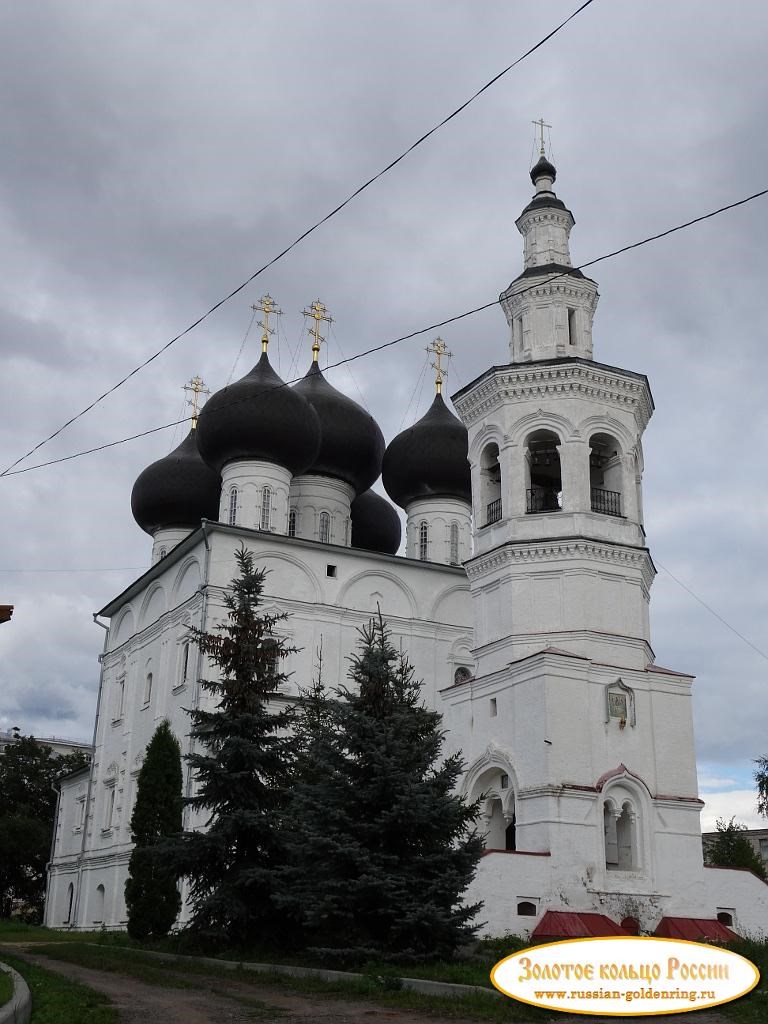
154, 155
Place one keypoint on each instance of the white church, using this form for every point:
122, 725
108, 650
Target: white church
522, 600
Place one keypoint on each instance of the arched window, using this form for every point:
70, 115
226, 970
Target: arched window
325, 528
109, 807
70, 900
619, 837
605, 473
148, 688
490, 485
162, 553
461, 675
233, 507
424, 540
454, 543
266, 508
184, 663
526, 909
726, 918
272, 659
544, 492
292, 519
98, 905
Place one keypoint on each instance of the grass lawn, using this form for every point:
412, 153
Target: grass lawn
6, 987
132, 963
14, 931
58, 1001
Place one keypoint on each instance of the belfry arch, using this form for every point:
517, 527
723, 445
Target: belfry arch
543, 473
606, 475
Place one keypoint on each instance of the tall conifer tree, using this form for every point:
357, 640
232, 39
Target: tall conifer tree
242, 771
151, 893
381, 848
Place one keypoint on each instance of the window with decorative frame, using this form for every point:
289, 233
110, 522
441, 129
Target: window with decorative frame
324, 529
454, 544
424, 540
293, 517
266, 508
232, 517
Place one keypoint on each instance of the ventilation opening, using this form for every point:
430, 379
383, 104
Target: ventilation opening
330, 571
494, 708
724, 917
571, 326
526, 909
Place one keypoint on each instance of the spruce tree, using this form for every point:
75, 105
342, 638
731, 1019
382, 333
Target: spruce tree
151, 894
243, 772
381, 849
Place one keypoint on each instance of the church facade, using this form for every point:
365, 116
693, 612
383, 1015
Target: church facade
522, 601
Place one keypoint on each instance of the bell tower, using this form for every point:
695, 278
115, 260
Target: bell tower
556, 455
567, 719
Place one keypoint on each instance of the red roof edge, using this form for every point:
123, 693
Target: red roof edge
694, 929
559, 924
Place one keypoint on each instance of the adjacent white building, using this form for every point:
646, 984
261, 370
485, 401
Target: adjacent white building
522, 601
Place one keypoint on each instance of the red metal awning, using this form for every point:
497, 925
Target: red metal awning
694, 929
559, 924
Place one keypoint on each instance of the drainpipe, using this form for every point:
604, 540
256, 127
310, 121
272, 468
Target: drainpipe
81, 857
199, 672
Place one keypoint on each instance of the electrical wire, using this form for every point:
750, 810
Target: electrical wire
242, 346
423, 330
711, 610
416, 388
305, 234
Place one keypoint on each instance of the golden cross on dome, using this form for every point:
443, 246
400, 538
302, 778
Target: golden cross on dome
266, 305
197, 388
439, 349
541, 125
318, 313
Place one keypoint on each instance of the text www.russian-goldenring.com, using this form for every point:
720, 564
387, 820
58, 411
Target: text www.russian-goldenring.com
676, 994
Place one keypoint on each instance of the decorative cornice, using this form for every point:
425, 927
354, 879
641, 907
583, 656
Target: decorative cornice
527, 552
569, 377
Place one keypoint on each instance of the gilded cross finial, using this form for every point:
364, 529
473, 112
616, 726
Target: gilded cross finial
266, 306
541, 125
439, 349
197, 387
318, 313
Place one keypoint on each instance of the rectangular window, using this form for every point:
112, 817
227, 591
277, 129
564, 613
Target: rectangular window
764, 849
494, 708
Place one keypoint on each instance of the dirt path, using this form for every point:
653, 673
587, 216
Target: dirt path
228, 1001
223, 1001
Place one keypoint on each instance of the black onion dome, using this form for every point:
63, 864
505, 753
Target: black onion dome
429, 460
543, 167
351, 443
258, 417
375, 524
177, 491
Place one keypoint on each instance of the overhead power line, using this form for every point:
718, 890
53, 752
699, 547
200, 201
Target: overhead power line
10, 471
305, 234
